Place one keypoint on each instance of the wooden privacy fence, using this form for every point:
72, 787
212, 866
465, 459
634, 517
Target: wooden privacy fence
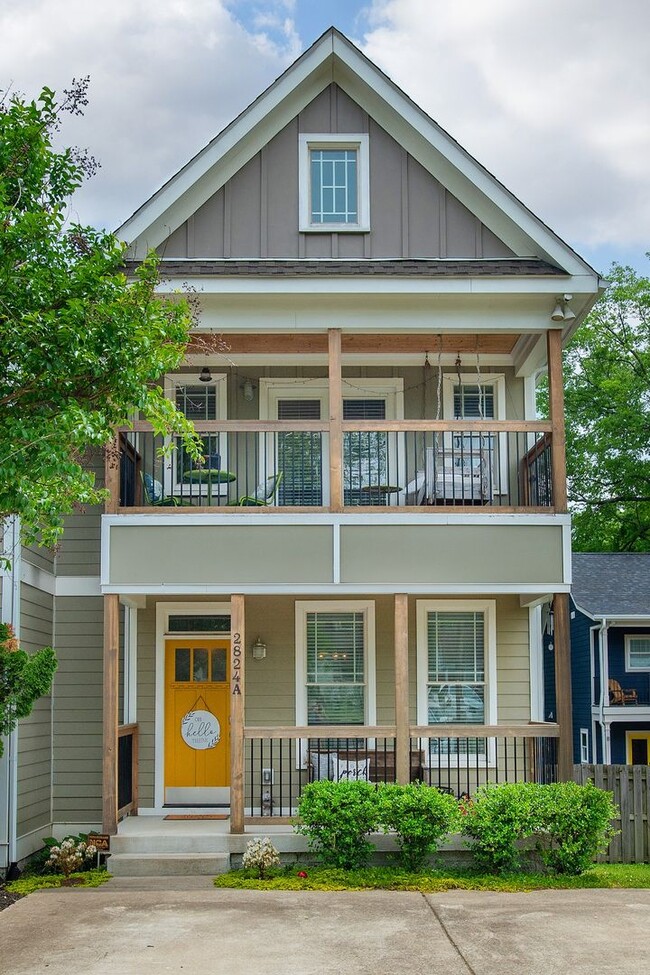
630, 785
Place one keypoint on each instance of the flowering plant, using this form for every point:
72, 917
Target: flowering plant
261, 855
70, 856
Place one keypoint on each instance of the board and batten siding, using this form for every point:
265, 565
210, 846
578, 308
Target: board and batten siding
34, 732
77, 787
255, 213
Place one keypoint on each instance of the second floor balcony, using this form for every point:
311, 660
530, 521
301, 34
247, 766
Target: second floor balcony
379, 465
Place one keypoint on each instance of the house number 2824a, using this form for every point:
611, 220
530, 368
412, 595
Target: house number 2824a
236, 663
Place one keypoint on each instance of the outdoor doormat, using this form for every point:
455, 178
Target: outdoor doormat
214, 816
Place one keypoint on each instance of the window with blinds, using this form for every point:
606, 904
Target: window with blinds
456, 668
300, 455
365, 455
336, 668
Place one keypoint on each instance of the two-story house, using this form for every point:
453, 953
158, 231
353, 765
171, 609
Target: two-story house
350, 585
610, 658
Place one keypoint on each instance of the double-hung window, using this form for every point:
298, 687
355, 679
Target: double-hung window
335, 663
637, 651
198, 401
334, 183
456, 670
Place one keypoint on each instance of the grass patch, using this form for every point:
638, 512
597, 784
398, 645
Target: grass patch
27, 885
433, 881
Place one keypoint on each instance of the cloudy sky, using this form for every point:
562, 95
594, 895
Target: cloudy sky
552, 97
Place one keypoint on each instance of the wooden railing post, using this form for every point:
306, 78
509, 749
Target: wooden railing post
110, 713
402, 724
336, 419
237, 654
556, 410
563, 717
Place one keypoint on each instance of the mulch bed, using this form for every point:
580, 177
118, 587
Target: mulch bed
7, 899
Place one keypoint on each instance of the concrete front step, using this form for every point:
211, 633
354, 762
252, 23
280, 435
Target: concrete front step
168, 864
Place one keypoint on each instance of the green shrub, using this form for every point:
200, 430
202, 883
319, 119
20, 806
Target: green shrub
420, 816
336, 817
575, 825
571, 824
497, 818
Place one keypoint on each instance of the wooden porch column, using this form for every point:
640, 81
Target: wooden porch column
111, 678
336, 419
112, 475
564, 717
237, 655
402, 724
556, 409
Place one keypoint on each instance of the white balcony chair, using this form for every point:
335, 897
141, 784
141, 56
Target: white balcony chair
456, 477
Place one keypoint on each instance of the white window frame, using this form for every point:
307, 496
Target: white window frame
220, 381
629, 637
391, 390
498, 380
584, 746
327, 140
488, 608
365, 606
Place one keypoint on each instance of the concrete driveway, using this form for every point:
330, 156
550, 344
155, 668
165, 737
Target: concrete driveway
128, 931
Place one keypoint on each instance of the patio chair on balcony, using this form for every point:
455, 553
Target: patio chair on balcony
153, 495
263, 496
619, 695
456, 477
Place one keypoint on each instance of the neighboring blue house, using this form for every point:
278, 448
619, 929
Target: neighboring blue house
610, 636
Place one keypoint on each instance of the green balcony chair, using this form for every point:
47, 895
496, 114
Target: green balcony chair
263, 496
153, 495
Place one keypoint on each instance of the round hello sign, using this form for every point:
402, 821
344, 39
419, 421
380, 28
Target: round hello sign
200, 730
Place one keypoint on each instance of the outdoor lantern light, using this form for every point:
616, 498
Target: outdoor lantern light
206, 375
248, 390
259, 649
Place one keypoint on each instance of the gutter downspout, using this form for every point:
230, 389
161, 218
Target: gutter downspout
603, 655
10, 613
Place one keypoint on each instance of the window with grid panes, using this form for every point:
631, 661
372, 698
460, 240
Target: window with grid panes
638, 652
336, 668
334, 186
198, 401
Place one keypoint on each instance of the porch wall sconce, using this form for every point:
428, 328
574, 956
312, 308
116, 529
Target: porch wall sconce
248, 390
258, 649
562, 312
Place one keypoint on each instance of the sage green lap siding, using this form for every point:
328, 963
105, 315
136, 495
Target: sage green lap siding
78, 707
452, 554
78, 553
34, 734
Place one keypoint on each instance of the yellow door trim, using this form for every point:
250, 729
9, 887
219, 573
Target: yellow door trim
631, 736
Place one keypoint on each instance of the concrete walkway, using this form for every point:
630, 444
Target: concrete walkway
141, 929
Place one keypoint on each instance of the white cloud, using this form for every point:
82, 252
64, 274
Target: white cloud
552, 98
166, 76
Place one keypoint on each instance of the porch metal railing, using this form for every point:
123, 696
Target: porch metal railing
280, 762
127, 770
287, 464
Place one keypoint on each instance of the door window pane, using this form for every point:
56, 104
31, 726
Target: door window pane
456, 668
219, 665
300, 455
182, 664
200, 665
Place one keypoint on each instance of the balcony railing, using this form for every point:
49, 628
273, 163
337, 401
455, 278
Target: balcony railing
279, 762
382, 464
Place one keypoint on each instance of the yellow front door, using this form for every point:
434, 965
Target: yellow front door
197, 721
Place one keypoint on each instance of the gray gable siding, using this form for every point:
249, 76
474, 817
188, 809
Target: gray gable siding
255, 214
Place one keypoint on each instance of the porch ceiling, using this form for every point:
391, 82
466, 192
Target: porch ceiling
279, 343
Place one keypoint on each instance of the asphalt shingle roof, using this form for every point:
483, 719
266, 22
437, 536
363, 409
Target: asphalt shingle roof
612, 583
428, 268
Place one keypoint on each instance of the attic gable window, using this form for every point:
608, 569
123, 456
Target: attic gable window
334, 185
